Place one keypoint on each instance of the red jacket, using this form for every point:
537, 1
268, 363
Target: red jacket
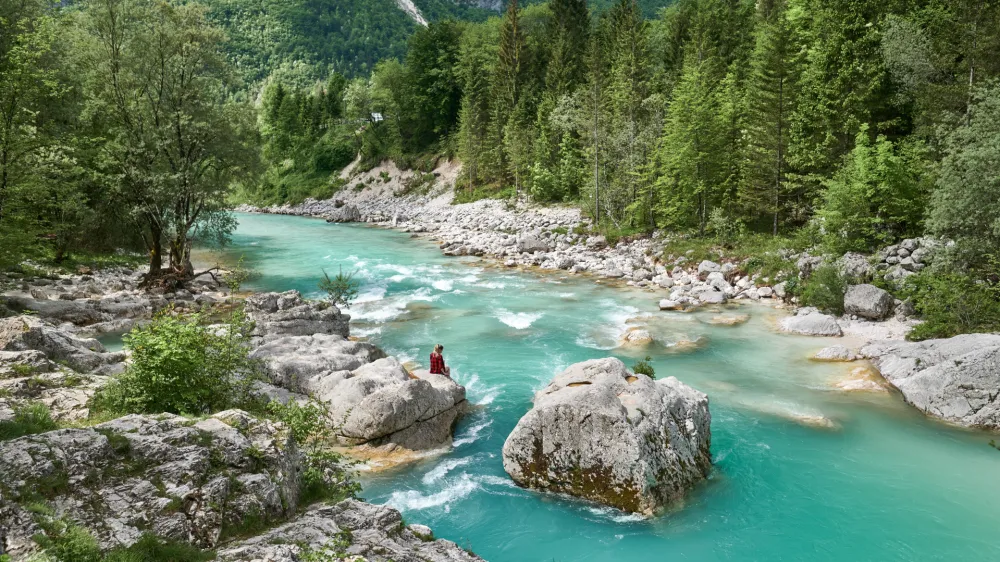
437, 364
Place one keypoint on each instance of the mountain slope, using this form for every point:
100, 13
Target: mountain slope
306, 40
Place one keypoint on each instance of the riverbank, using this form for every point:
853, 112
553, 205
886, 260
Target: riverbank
560, 239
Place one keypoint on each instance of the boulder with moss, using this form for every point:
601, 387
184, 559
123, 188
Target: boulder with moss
600, 432
192, 481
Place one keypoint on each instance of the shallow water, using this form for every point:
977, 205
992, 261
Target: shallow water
802, 471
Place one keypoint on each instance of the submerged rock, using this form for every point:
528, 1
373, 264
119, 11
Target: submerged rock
345, 530
167, 475
602, 433
955, 379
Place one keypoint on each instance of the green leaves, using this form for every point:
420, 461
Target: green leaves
179, 365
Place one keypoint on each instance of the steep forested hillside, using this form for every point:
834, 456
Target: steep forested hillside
305, 40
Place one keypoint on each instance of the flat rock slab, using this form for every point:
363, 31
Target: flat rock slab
955, 379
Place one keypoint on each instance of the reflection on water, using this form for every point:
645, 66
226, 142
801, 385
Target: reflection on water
803, 470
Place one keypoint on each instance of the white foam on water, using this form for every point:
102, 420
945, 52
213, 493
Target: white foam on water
492, 285
365, 331
385, 309
517, 320
567, 295
413, 500
471, 433
469, 279
443, 285
616, 515
443, 468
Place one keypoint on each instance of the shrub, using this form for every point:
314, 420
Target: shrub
325, 477
341, 289
825, 290
28, 419
181, 366
952, 304
644, 368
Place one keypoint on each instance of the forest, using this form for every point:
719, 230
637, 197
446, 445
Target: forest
848, 124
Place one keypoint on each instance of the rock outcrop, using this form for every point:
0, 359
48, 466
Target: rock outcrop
27, 333
810, 322
602, 433
955, 379
180, 479
835, 353
345, 530
371, 398
344, 213
288, 314
868, 301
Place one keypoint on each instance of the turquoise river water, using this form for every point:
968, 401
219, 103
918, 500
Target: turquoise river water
803, 471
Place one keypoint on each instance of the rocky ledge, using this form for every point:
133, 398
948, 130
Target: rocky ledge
955, 379
603, 433
344, 531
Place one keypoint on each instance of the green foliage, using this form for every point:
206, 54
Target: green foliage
179, 365
951, 303
825, 289
966, 204
341, 289
333, 550
874, 199
28, 419
325, 477
237, 275
64, 541
644, 368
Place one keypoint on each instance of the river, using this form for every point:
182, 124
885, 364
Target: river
803, 471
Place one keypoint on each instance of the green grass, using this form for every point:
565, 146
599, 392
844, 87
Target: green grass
29, 419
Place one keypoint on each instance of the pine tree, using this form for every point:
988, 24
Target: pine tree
507, 83
771, 97
690, 160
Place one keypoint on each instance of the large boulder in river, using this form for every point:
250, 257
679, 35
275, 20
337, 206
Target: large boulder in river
868, 301
26, 333
288, 314
955, 379
344, 531
371, 398
812, 323
603, 433
176, 478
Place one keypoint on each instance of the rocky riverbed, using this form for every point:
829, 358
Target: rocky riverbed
206, 482
557, 238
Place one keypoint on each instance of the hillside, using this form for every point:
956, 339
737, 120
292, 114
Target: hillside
306, 40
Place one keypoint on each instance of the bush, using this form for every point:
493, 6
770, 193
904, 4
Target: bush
825, 290
952, 304
341, 289
29, 419
644, 368
183, 367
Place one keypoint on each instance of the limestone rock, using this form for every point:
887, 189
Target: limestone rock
370, 397
346, 213
165, 474
26, 333
835, 353
955, 379
812, 324
531, 244
868, 301
349, 528
600, 432
288, 314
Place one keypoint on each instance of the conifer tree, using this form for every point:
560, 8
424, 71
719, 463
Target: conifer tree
771, 97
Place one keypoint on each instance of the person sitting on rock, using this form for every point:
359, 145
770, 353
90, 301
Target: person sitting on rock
437, 362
